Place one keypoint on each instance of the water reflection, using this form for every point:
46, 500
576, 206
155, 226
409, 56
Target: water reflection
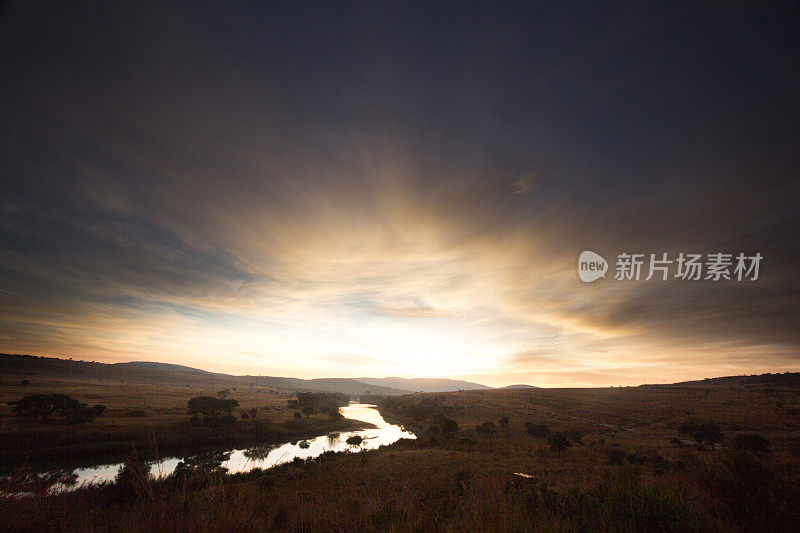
267, 456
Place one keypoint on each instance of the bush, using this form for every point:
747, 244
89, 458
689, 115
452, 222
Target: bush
504, 421
449, 425
751, 443
133, 479
615, 457
199, 470
297, 414
702, 431
486, 427
81, 416
558, 442
575, 435
52, 406
761, 497
631, 506
537, 430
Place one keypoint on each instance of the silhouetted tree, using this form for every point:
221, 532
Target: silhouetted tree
448, 425
308, 410
211, 409
52, 406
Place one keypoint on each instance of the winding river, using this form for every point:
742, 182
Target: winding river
244, 460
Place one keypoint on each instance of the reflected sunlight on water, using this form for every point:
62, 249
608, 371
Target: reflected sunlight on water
246, 459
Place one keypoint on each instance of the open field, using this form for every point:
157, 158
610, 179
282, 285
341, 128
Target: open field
152, 417
629, 465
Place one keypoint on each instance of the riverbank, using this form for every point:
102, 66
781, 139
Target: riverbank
57, 447
612, 473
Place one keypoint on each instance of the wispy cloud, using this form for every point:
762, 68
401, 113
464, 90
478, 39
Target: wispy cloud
237, 201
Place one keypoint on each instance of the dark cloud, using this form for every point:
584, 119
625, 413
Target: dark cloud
383, 162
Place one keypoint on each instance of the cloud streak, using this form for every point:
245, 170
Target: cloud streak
308, 195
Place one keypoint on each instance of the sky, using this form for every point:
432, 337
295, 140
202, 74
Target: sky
343, 189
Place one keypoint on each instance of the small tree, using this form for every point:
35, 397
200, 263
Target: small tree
504, 422
297, 414
211, 409
49, 406
308, 410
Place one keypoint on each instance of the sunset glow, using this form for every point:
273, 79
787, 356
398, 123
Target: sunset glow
235, 202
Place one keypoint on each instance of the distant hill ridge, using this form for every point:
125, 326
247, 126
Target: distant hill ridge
152, 372
424, 384
149, 371
786, 378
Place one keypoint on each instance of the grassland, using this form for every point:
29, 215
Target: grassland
150, 417
629, 467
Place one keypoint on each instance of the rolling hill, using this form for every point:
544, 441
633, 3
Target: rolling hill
424, 384
29, 366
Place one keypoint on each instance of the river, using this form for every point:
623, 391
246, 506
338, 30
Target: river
244, 460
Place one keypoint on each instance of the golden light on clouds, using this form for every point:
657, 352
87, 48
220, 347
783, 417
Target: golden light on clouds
374, 204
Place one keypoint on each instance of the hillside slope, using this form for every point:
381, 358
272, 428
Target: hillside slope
424, 384
29, 366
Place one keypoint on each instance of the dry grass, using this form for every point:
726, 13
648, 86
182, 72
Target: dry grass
152, 417
465, 481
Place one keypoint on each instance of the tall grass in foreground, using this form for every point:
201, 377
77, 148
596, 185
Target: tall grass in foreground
411, 488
